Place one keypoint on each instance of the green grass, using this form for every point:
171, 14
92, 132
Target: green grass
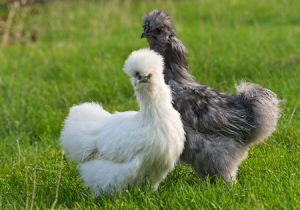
78, 57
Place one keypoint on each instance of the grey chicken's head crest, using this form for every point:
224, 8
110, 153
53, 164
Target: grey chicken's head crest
158, 30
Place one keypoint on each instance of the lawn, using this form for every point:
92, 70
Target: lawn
62, 53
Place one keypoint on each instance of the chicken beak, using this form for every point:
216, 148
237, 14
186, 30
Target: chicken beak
144, 79
143, 35
141, 79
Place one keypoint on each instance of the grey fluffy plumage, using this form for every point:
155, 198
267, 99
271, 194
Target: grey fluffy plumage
219, 127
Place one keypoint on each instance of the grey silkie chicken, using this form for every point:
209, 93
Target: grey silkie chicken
219, 127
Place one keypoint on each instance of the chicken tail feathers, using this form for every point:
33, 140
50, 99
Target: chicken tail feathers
265, 107
79, 134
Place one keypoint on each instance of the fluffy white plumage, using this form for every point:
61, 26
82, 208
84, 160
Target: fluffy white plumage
121, 149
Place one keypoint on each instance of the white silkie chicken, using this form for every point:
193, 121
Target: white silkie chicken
121, 149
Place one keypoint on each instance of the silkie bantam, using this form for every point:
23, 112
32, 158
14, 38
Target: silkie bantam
114, 151
220, 127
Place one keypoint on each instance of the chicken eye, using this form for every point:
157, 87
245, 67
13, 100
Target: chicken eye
158, 30
146, 26
137, 75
